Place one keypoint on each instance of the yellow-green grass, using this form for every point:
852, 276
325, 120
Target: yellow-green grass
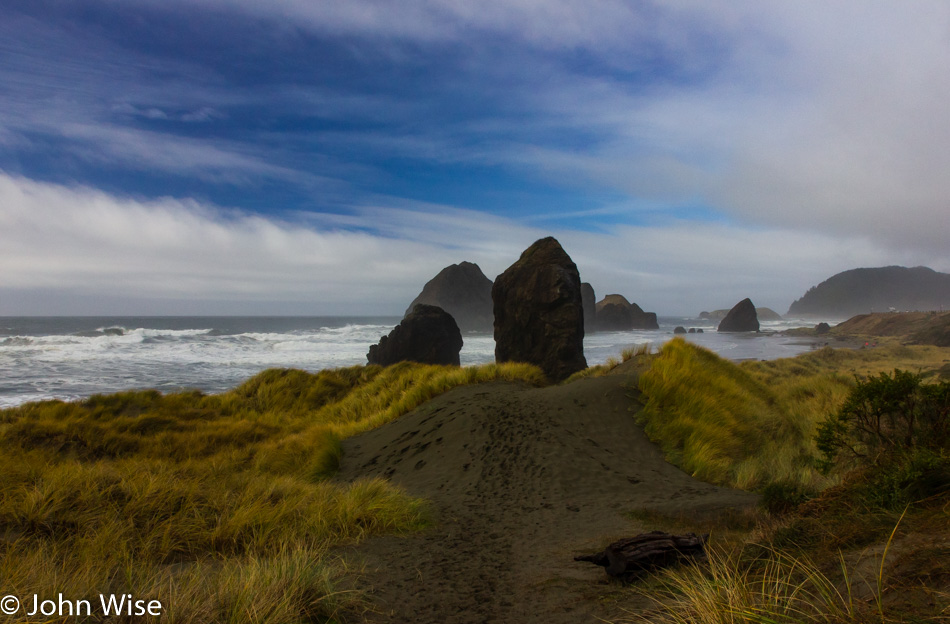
777, 588
641, 351
215, 505
749, 424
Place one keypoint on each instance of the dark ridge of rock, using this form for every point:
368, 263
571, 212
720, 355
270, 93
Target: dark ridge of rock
463, 291
822, 328
428, 335
867, 290
615, 313
539, 315
589, 304
741, 318
679, 329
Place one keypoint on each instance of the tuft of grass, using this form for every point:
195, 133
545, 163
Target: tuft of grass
776, 589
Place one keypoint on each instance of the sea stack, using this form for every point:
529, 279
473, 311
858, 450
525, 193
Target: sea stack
428, 335
463, 291
741, 318
615, 313
589, 301
539, 315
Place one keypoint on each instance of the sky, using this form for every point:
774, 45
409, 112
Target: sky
314, 157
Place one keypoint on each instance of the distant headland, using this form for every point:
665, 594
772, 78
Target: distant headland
883, 289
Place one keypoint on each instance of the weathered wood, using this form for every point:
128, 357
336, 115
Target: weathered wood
628, 558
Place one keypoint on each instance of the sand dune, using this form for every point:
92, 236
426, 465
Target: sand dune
521, 480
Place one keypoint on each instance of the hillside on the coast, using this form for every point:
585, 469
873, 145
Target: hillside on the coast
915, 327
862, 291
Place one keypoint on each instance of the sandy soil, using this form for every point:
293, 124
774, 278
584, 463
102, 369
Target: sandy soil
521, 481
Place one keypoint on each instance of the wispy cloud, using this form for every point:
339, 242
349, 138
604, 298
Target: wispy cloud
814, 134
73, 243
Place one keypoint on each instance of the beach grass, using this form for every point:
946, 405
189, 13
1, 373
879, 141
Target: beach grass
752, 424
215, 505
867, 544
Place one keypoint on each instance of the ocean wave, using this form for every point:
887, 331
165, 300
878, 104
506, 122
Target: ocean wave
16, 341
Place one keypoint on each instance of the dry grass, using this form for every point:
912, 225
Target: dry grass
777, 588
838, 558
215, 505
750, 424
640, 352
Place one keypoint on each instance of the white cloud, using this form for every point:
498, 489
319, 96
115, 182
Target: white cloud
75, 244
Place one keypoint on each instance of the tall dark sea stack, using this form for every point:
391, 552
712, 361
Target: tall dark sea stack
741, 318
539, 315
463, 291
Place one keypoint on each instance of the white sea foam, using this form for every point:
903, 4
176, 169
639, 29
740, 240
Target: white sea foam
69, 360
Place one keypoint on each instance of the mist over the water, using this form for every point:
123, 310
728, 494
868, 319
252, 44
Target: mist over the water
75, 357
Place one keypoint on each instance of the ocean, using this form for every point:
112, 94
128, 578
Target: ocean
74, 357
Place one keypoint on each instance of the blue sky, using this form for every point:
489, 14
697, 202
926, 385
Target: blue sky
306, 157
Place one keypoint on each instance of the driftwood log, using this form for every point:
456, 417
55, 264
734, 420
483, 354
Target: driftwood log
628, 558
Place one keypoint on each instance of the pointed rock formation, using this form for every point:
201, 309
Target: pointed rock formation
463, 291
428, 335
741, 318
539, 316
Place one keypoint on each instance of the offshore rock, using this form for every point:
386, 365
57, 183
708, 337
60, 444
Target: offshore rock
615, 313
428, 335
741, 318
539, 315
463, 291
589, 303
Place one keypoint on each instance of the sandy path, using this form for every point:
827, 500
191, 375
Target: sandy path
521, 480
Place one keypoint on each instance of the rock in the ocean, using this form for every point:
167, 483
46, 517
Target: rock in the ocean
463, 291
539, 316
767, 314
822, 328
589, 301
428, 335
615, 313
644, 320
741, 318
679, 329
692, 330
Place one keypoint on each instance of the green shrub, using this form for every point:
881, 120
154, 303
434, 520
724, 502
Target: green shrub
887, 414
901, 479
